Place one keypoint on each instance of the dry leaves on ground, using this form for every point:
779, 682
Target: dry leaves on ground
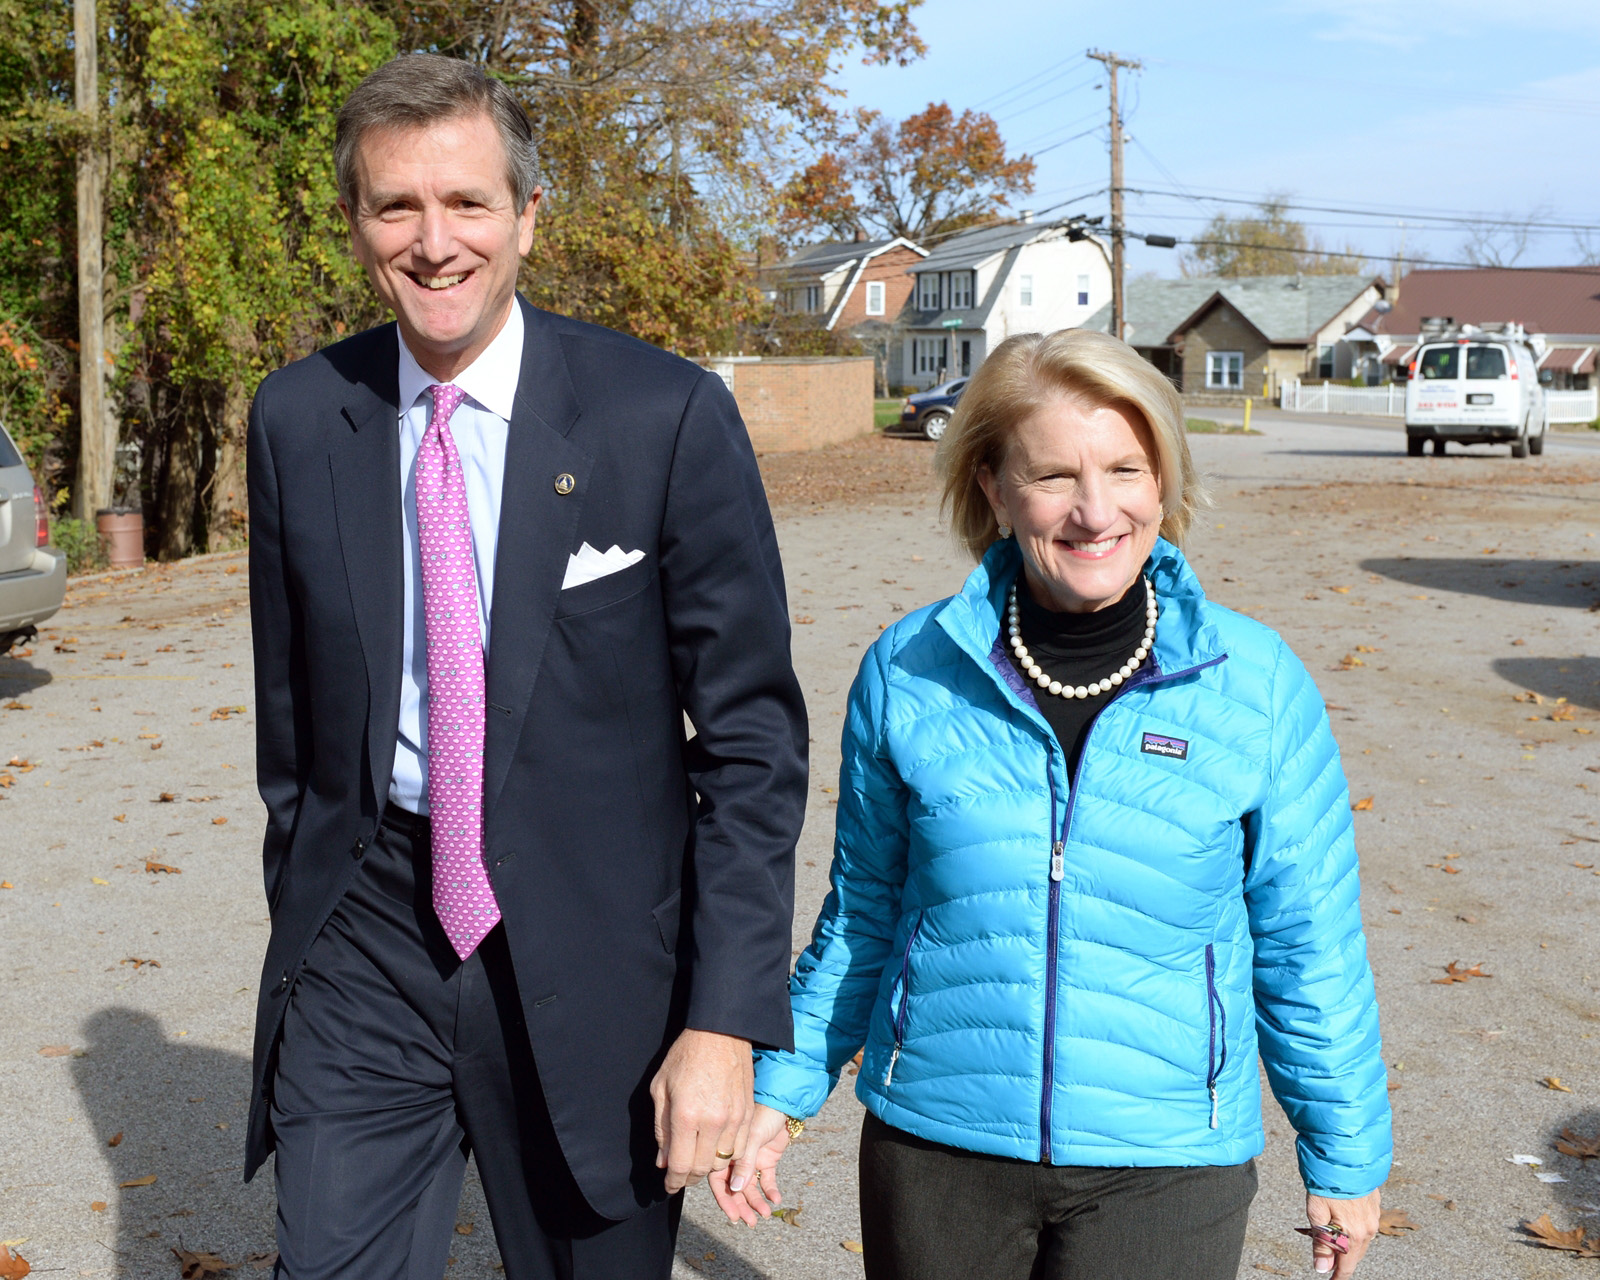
55, 1051
1456, 973
147, 1180
137, 963
852, 1246
115, 1140
1554, 1082
21, 765
1571, 1143
224, 713
200, 1266
166, 797
161, 868
1544, 1233
13, 1266
1271, 1270
1395, 1222
1363, 805
263, 1261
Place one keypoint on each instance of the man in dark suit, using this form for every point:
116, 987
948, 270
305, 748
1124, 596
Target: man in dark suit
497, 558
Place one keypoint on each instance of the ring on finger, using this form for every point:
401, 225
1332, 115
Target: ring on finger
724, 1155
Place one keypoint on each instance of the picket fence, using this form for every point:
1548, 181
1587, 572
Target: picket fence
1390, 401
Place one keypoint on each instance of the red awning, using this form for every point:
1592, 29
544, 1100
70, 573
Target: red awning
1569, 360
1398, 355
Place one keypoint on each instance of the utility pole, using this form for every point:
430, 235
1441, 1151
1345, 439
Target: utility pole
1113, 63
98, 446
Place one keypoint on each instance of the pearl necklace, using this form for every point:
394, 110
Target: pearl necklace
1103, 685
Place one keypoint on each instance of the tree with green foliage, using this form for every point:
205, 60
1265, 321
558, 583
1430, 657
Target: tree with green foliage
1267, 243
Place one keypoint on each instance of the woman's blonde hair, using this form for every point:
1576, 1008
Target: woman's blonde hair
1022, 374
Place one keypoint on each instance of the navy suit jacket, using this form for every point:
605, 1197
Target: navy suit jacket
645, 875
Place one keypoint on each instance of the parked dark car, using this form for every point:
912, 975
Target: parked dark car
33, 574
927, 413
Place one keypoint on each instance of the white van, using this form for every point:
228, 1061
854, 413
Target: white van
1476, 386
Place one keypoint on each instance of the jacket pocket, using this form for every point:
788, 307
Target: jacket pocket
667, 916
899, 1009
1217, 1020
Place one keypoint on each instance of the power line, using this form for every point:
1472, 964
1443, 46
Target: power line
1456, 219
1065, 93
1367, 257
1034, 155
1070, 124
1021, 87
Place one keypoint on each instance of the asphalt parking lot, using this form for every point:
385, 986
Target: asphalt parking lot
1449, 609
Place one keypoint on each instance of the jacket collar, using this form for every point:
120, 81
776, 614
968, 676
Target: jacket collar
1185, 636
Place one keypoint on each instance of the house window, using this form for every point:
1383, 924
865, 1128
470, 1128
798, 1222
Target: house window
966, 357
960, 289
1325, 362
1025, 290
1083, 291
928, 354
813, 298
928, 291
875, 292
1224, 370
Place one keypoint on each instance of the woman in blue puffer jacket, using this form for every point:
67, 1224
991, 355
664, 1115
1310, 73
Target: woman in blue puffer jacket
1094, 855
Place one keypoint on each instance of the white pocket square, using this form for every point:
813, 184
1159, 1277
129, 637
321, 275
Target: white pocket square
589, 564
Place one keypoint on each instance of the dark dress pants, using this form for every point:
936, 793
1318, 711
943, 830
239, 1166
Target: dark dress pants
397, 1060
932, 1212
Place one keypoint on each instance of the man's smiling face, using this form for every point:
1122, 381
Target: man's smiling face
437, 228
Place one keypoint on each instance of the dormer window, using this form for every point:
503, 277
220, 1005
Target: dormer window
928, 291
960, 289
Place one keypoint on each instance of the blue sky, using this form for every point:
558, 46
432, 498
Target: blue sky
1472, 109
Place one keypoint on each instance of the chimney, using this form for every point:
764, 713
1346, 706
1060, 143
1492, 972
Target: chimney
1025, 216
860, 235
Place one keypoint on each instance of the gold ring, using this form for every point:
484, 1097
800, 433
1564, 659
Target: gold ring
724, 1155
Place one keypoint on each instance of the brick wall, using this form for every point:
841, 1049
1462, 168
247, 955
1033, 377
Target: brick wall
890, 267
1223, 329
791, 404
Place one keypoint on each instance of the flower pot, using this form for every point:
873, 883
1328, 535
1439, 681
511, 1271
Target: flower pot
122, 536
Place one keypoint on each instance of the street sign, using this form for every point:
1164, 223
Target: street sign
953, 324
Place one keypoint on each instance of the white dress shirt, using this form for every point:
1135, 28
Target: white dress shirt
479, 427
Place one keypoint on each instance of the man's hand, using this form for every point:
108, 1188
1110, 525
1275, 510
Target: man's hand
1358, 1218
748, 1188
703, 1093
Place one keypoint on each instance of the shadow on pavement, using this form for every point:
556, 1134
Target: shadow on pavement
694, 1244
1579, 1196
1575, 679
18, 675
1340, 453
179, 1109
1566, 584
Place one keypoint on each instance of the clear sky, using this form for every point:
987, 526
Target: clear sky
1414, 113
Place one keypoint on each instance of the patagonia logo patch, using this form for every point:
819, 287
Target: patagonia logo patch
1158, 744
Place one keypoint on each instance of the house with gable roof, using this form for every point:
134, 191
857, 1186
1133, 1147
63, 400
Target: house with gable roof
977, 287
1245, 336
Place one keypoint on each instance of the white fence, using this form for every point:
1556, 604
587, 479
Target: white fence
1390, 401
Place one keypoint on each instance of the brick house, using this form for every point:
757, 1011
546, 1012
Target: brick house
1561, 304
855, 287
1226, 338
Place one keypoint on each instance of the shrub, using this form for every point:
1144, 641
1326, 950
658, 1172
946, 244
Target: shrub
81, 541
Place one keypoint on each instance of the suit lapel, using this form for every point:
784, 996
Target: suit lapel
364, 455
537, 524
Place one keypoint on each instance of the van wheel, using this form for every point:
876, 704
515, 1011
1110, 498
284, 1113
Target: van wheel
934, 424
1519, 447
1414, 446
1438, 446
1536, 444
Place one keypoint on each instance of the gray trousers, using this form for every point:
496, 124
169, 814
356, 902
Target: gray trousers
932, 1212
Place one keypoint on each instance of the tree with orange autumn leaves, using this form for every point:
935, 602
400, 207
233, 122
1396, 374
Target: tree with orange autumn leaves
933, 173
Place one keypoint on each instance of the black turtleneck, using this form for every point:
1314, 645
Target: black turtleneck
1078, 648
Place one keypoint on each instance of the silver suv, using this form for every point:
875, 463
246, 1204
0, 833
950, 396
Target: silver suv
33, 574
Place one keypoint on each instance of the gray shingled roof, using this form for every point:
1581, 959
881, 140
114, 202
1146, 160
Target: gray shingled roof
1284, 308
969, 248
827, 256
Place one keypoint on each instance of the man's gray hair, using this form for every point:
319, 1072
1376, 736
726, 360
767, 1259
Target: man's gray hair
419, 89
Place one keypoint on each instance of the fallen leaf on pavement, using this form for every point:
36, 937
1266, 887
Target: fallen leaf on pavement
1529, 696
1394, 1222
1544, 1233
145, 1181
804, 620
137, 963
200, 1266
119, 817
1554, 1082
1363, 805
263, 1261
97, 1206
1446, 1201
98, 880
55, 1051
1455, 973
115, 1140
852, 1246
6, 884
21, 765
1276, 1271
219, 822
1348, 663
1571, 1143
463, 1228
13, 1266
161, 868
17, 706
6, 780
223, 713
166, 797
791, 1216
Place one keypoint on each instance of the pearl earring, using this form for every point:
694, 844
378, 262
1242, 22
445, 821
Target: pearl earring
1005, 531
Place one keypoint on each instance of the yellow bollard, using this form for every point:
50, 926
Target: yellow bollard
1247, 403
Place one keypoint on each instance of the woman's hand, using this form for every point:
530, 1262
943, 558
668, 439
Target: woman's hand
748, 1188
1359, 1221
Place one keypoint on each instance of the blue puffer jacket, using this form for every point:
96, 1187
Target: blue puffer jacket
1083, 970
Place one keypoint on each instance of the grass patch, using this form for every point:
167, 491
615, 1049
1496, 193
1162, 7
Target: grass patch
885, 413
1211, 427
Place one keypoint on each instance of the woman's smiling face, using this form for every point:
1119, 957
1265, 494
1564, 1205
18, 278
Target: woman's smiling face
1079, 485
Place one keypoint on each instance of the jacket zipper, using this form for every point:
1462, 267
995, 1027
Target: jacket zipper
905, 1001
1058, 872
1216, 1014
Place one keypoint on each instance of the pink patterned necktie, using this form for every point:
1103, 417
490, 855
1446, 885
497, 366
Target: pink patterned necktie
462, 896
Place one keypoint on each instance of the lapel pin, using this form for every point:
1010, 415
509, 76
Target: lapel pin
565, 484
